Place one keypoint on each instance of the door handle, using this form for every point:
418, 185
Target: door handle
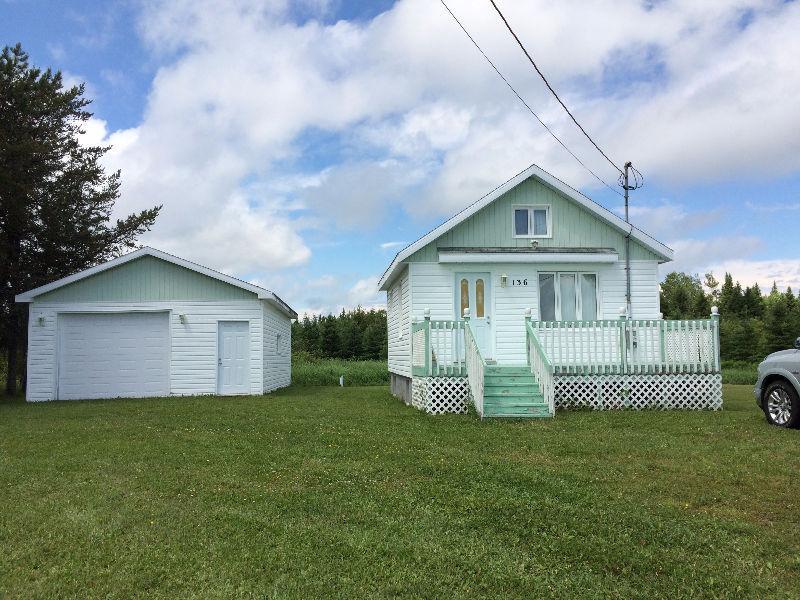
219, 361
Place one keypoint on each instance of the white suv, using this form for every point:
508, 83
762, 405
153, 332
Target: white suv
778, 387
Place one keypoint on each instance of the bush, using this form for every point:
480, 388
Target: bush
309, 370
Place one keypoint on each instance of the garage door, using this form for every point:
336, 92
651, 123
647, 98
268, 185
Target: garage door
113, 355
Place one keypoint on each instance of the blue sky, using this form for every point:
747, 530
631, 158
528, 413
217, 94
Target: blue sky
299, 144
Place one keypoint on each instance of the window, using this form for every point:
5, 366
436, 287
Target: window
479, 301
567, 296
278, 344
464, 296
532, 221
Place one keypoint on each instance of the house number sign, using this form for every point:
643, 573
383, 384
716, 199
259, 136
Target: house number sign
518, 281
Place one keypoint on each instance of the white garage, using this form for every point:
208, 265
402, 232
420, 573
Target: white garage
151, 324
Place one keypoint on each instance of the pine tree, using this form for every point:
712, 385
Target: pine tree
55, 197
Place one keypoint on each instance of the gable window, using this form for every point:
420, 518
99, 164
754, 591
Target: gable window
568, 296
532, 221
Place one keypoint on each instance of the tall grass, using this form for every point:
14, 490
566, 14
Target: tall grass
308, 370
739, 372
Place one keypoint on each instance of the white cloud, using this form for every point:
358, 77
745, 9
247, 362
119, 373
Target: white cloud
785, 272
773, 207
700, 256
667, 220
426, 125
391, 245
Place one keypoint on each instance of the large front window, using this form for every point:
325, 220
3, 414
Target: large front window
567, 296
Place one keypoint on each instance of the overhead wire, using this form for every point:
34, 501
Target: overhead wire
550, 87
522, 100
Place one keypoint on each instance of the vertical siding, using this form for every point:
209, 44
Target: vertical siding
398, 314
146, 279
433, 286
573, 226
277, 361
193, 358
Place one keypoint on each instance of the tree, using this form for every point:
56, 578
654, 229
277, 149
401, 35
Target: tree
55, 197
682, 297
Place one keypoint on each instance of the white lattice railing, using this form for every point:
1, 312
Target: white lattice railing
437, 348
625, 346
540, 364
476, 365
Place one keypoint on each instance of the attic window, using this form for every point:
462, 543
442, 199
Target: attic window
532, 221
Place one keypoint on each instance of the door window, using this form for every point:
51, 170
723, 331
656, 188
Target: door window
464, 296
479, 299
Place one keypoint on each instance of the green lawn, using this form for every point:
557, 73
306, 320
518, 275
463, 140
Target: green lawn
346, 492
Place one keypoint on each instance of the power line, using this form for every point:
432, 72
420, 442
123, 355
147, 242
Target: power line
550, 87
521, 99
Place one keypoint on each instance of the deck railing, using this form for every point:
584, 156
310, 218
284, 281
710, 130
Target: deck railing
609, 346
437, 348
540, 364
635, 346
476, 365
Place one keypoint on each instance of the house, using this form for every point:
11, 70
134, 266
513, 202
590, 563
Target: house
152, 324
519, 304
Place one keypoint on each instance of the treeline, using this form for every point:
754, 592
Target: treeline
751, 324
352, 335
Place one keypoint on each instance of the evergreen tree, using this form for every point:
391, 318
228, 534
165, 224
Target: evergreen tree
328, 337
55, 197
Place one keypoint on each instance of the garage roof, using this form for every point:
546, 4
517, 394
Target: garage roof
261, 293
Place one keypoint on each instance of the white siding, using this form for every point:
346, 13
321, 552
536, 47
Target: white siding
433, 286
398, 314
193, 356
277, 358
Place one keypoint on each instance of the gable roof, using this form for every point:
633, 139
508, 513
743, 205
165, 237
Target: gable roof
261, 293
593, 207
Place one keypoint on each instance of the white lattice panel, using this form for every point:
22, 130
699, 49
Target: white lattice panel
440, 395
687, 391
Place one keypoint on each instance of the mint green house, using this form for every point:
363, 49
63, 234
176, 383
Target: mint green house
151, 324
525, 301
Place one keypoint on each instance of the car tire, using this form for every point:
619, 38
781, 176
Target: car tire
781, 405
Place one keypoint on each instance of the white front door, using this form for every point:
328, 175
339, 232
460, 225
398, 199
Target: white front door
473, 291
234, 357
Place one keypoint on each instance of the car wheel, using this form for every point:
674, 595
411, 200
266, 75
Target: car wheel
781, 405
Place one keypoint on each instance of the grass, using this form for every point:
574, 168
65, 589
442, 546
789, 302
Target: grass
310, 371
348, 493
739, 372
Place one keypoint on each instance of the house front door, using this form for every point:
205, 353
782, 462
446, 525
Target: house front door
473, 291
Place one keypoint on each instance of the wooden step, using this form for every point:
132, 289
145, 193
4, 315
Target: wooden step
510, 389
526, 410
507, 370
493, 379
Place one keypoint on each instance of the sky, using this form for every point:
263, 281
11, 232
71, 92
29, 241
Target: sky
300, 145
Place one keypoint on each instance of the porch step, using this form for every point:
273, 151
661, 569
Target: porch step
518, 410
511, 391
507, 370
500, 379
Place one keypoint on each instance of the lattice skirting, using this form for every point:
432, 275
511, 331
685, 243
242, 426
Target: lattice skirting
688, 391
439, 395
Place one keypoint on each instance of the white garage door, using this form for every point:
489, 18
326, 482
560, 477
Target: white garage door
113, 355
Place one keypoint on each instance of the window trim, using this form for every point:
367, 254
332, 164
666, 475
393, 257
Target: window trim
530, 208
578, 295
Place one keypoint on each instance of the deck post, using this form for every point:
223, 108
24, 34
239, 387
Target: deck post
428, 364
715, 336
623, 340
527, 341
